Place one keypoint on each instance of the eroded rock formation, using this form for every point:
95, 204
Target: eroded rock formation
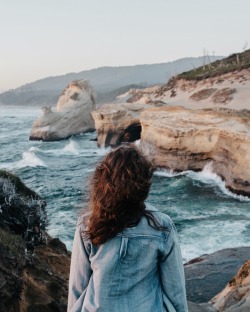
236, 295
72, 115
182, 139
119, 123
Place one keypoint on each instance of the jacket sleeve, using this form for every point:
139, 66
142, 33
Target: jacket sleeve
172, 275
80, 273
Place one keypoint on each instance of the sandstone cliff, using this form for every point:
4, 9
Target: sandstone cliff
180, 139
72, 115
187, 124
119, 123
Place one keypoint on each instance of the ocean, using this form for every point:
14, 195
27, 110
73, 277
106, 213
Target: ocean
208, 217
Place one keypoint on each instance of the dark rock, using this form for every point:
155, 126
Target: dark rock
209, 275
22, 210
12, 263
57, 245
203, 307
34, 267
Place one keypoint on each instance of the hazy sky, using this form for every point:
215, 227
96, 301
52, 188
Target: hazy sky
41, 38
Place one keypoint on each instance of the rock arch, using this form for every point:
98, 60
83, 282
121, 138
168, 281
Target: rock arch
131, 134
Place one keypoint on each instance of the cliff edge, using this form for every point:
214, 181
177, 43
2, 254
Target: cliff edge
34, 267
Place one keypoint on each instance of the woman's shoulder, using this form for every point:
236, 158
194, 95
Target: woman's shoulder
163, 218
82, 223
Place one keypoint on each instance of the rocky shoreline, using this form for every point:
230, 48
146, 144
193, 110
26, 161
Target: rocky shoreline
34, 267
183, 126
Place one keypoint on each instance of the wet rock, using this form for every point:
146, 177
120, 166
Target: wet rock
210, 274
204, 307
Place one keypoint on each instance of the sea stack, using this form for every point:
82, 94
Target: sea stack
72, 115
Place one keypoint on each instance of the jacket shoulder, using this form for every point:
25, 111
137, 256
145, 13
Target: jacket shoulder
163, 219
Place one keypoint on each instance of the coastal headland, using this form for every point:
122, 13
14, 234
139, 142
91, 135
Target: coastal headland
187, 124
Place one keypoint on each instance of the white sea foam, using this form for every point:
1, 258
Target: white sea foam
210, 236
168, 173
29, 159
71, 147
206, 176
34, 149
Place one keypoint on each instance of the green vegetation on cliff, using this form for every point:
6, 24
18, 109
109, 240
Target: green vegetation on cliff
236, 61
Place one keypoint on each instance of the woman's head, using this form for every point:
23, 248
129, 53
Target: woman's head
118, 189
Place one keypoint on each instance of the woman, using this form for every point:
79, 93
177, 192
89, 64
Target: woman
126, 255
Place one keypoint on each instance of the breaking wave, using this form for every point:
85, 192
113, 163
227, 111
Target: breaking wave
206, 176
30, 159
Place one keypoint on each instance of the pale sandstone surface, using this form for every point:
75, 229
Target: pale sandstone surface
231, 90
236, 295
72, 115
118, 123
181, 139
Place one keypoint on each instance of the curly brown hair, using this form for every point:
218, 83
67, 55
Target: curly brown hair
118, 189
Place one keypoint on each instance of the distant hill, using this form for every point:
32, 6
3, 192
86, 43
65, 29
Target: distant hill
105, 80
236, 61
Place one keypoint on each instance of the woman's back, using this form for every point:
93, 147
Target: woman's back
125, 256
128, 270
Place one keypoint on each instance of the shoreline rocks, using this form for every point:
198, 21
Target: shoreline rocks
236, 295
37, 280
34, 267
72, 115
208, 275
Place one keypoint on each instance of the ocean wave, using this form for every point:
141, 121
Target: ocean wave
209, 236
29, 159
71, 147
168, 173
206, 176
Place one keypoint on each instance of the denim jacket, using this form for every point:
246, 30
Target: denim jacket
139, 270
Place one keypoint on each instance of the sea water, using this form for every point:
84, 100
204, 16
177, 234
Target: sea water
208, 217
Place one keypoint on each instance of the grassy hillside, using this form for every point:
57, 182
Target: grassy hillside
236, 61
